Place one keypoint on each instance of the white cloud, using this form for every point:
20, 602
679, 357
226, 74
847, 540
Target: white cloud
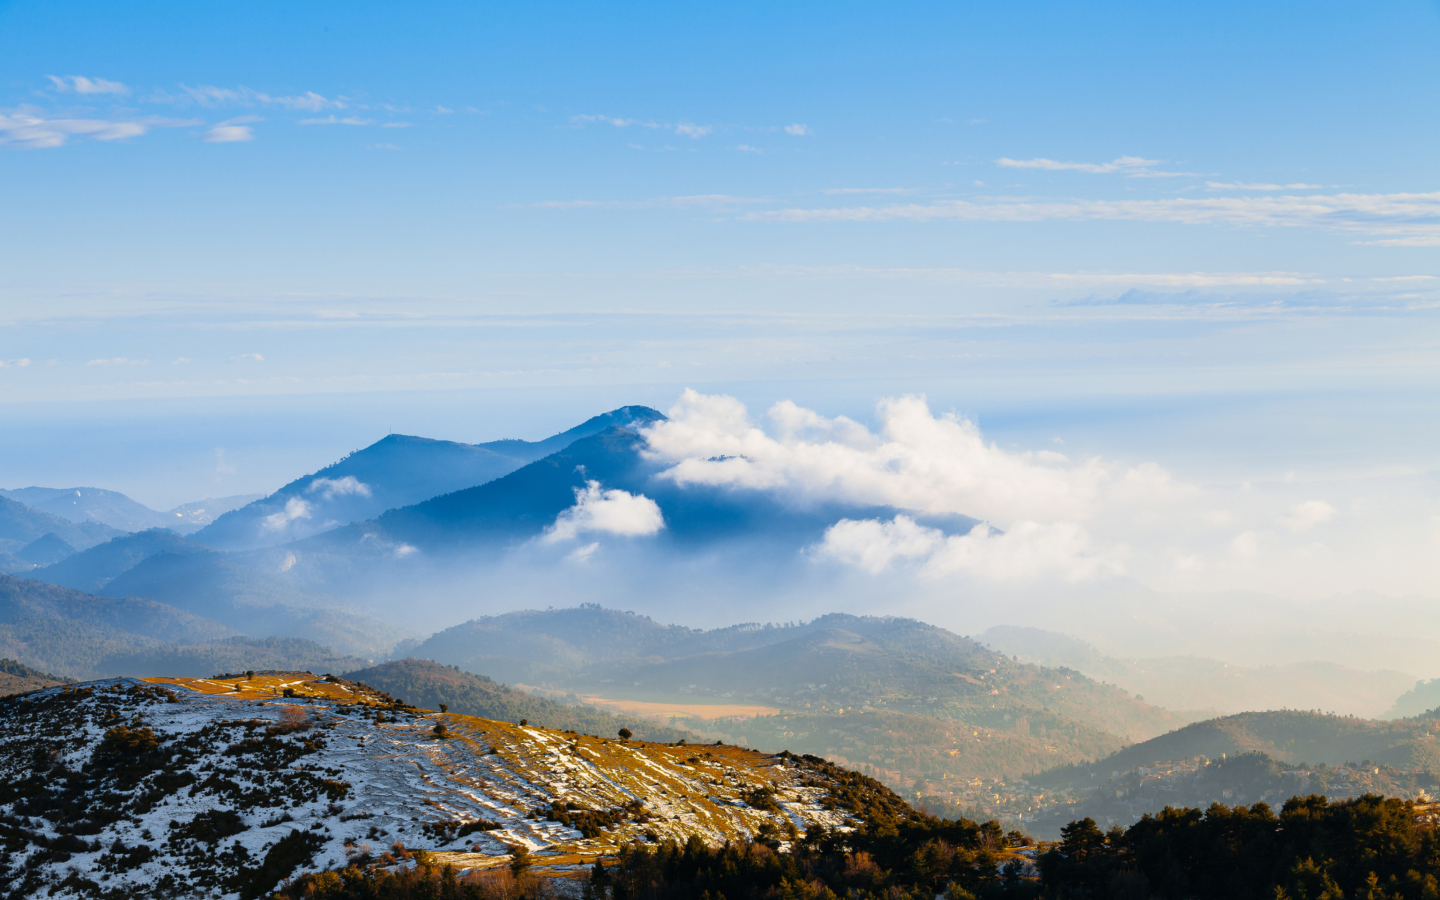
335, 120
746, 148
79, 84
606, 512
16, 363
31, 131
918, 461
330, 488
582, 553
295, 508
1027, 551
798, 130
248, 357
691, 130
1309, 514
607, 120
1429, 240
1409, 216
181, 361
118, 361
1127, 164
1244, 186
1245, 545
228, 134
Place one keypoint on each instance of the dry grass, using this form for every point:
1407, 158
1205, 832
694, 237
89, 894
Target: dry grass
268, 687
689, 710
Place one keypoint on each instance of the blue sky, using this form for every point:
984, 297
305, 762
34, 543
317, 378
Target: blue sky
1205, 234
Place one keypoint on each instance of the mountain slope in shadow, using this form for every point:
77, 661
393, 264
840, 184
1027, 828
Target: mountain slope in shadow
396, 471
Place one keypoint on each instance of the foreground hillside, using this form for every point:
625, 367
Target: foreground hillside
209, 788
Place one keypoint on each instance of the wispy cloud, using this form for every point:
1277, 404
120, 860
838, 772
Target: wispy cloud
1409, 217
746, 148
1419, 240
878, 190
692, 131
1130, 166
80, 84
1248, 186
683, 202
118, 361
798, 130
336, 120
248, 357
35, 132
231, 132
212, 96
1065, 280
1126, 164
14, 363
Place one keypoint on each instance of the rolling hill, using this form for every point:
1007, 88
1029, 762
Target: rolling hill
1290, 736
895, 697
18, 678
429, 684
23, 600
80, 635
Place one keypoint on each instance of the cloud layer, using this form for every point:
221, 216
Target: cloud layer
1047, 517
1402, 213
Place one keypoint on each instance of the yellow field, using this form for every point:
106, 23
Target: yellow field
266, 687
694, 710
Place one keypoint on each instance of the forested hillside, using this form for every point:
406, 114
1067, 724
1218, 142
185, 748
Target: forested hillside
17, 678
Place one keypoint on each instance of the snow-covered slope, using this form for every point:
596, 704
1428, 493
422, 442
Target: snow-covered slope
211, 788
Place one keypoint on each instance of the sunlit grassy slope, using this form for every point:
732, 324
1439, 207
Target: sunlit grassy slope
233, 783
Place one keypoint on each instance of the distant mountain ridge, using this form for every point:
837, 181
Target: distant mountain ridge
396, 471
1290, 736
90, 504
1197, 683
90, 570
21, 525
522, 504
